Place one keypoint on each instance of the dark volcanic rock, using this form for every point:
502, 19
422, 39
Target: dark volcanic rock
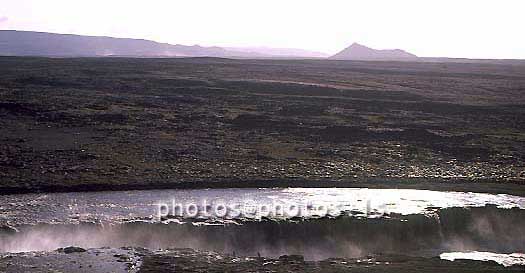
106, 124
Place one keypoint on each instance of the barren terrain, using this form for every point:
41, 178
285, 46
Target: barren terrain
117, 123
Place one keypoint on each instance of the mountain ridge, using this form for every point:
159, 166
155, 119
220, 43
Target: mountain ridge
34, 43
46, 44
31, 43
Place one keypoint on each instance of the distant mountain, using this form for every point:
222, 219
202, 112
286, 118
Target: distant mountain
279, 52
361, 52
29, 43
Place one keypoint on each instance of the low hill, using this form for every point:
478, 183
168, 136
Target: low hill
360, 52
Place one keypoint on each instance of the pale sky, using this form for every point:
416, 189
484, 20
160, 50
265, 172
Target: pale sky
436, 28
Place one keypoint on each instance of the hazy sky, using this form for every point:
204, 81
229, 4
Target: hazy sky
453, 28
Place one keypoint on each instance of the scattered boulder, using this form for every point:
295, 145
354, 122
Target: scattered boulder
291, 258
71, 249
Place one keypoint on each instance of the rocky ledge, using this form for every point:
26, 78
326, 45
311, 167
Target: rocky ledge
188, 260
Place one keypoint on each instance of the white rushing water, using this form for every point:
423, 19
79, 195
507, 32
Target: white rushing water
122, 206
503, 259
488, 233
